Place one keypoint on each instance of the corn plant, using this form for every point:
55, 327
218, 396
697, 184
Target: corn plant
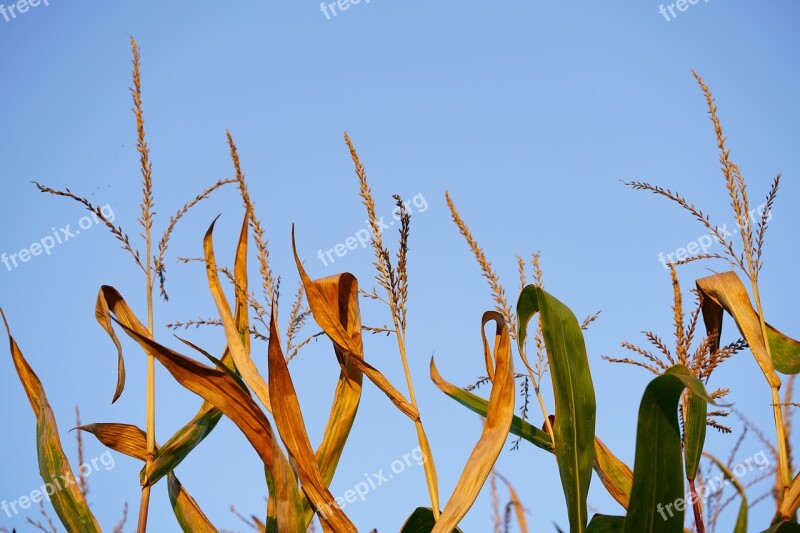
673, 414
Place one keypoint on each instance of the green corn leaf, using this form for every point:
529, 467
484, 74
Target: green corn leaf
657, 502
615, 475
606, 524
574, 395
421, 521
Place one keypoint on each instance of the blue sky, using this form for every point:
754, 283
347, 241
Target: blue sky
530, 114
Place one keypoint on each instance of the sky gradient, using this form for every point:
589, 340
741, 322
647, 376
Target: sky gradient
530, 114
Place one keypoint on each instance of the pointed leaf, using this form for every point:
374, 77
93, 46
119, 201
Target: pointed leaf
658, 467
68, 501
606, 524
238, 347
574, 395
126, 439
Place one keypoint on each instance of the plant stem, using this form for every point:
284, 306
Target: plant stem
548, 426
547, 423
151, 392
696, 506
785, 475
431, 477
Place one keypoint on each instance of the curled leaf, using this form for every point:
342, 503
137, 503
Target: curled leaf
499, 415
329, 319
726, 292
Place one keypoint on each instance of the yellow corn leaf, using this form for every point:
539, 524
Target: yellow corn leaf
496, 428
328, 318
54, 467
238, 347
292, 429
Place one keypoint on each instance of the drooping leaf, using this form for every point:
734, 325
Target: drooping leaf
496, 427
292, 429
658, 467
785, 351
67, 500
726, 292
132, 441
573, 391
606, 524
421, 521
221, 390
328, 319
341, 293
102, 315
741, 517
615, 475
475, 403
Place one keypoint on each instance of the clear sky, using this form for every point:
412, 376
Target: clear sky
529, 113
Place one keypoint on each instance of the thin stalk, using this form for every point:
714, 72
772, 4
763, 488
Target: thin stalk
547, 423
151, 395
146, 221
780, 430
697, 508
431, 478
